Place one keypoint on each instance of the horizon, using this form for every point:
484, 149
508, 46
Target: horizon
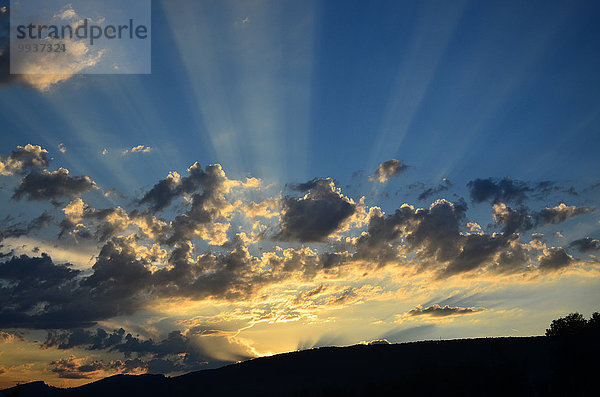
294, 174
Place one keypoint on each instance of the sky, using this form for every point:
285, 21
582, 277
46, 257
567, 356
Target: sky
295, 174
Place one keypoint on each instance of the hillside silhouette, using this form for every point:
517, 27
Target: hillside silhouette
524, 366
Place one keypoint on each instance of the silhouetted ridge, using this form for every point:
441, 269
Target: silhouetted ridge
491, 366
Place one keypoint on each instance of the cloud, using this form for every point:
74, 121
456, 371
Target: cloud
48, 185
36, 293
177, 352
442, 187
512, 259
554, 258
137, 149
560, 213
512, 220
433, 233
107, 222
586, 244
379, 342
75, 368
477, 250
212, 181
494, 190
198, 251
388, 169
439, 311
55, 68
315, 216
62, 148
20, 229
11, 337
24, 159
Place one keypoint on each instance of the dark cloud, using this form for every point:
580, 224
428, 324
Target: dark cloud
48, 185
40, 294
78, 368
560, 213
434, 236
512, 259
165, 191
178, 352
494, 190
8, 337
36, 293
388, 169
207, 203
71, 368
519, 220
512, 220
315, 216
20, 229
98, 340
24, 159
586, 244
306, 186
433, 233
555, 258
477, 250
439, 311
108, 222
442, 187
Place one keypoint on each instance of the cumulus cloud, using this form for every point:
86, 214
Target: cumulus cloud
442, 187
439, 311
586, 244
554, 258
477, 250
316, 215
388, 169
494, 190
39, 294
137, 149
433, 233
212, 181
24, 159
199, 250
11, 337
80, 218
560, 213
512, 220
49, 185
177, 352
56, 67
76, 368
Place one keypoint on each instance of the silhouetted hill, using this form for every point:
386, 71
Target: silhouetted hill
533, 366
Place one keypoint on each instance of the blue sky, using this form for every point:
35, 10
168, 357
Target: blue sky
287, 91
441, 86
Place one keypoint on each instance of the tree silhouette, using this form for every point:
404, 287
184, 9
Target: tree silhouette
574, 324
593, 324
